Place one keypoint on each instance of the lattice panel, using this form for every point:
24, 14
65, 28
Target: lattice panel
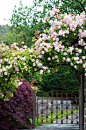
54, 109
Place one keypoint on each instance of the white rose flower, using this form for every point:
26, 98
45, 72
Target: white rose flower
83, 57
76, 58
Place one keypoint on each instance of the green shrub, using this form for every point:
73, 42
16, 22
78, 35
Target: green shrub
65, 79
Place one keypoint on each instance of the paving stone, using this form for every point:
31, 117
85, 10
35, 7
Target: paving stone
58, 127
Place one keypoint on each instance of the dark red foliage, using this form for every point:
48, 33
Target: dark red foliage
14, 113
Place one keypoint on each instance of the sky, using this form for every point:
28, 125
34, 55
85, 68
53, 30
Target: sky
7, 6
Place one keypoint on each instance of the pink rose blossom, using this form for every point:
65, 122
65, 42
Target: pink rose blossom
83, 57
44, 21
49, 58
75, 66
76, 58
35, 69
30, 51
71, 63
52, 13
3, 69
44, 67
57, 60
33, 60
64, 58
77, 62
17, 69
68, 59
1, 61
37, 61
65, 53
80, 61
53, 58
84, 65
0, 70
5, 73
1, 75
46, 49
56, 56
34, 64
25, 46
79, 51
40, 56
42, 52
39, 64
77, 54
25, 67
48, 71
41, 71
51, 22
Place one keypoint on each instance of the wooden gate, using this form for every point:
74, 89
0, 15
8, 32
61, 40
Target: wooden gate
58, 107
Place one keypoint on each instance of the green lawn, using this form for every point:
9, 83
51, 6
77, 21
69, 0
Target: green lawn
53, 116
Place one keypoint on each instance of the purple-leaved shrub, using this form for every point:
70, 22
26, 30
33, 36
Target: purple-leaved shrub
15, 112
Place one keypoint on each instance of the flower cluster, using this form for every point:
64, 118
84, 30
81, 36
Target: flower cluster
64, 41
14, 62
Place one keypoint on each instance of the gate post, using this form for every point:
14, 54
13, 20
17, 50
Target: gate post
82, 101
85, 104
79, 109
34, 108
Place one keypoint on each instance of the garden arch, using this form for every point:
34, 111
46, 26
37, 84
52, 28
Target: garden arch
48, 50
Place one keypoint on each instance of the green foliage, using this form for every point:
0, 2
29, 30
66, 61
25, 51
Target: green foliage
10, 38
67, 6
3, 30
24, 22
65, 79
73, 6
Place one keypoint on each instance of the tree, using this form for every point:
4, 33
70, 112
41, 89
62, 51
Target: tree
24, 22
20, 22
67, 6
73, 6
9, 38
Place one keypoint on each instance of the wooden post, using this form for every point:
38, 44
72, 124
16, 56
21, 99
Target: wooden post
82, 101
85, 104
79, 109
34, 107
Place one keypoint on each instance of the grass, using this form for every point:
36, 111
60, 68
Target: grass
53, 116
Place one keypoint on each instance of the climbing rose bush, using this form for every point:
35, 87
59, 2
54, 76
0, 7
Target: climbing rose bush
64, 42
18, 110
14, 62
